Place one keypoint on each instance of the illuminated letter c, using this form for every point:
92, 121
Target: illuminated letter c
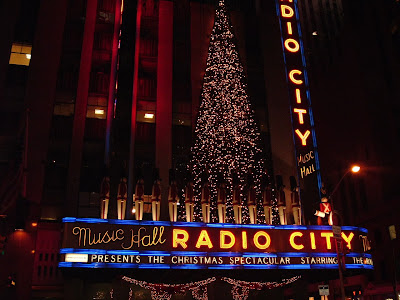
294, 80
292, 243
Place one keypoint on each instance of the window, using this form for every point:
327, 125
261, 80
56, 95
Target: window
20, 54
97, 107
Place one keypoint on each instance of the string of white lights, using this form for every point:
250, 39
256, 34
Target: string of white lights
240, 289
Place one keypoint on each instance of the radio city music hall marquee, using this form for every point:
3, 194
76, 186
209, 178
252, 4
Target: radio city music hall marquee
99, 243
300, 103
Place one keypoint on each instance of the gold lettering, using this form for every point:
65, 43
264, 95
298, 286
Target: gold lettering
86, 236
74, 232
293, 79
146, 240
287, 11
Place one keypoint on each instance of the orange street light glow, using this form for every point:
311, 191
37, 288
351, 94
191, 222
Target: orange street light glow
355, 169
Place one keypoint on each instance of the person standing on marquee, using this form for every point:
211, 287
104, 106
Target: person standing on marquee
139, 199
236, 199
205, 201
221, 201
189, 201
281, 200
121, 199
295, 199
173, 199
267, 200
251, 198
105, 197
155, 199
324, 213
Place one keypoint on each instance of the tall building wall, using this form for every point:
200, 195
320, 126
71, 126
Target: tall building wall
162, 56
353, 88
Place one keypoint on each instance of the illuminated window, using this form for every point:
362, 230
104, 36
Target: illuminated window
21, 54
96, 112
146, 116
97, 107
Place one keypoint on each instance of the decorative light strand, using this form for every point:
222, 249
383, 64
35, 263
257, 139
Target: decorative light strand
259, 285
240, 289
161, 291
130, 294
239, 292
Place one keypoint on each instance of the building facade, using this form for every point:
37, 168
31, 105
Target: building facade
112, 87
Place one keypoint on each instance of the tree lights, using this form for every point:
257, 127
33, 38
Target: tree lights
227, 140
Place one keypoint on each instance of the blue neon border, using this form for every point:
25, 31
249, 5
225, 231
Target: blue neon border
195, 253
223, 254
304, 65
222, 266
210, 267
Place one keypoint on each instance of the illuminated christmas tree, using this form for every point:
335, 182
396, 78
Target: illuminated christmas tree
227, 139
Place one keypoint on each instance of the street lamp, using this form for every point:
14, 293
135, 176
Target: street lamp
392, 233
353, 169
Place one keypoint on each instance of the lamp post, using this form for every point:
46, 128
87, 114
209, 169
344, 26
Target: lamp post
393, 236
353, 169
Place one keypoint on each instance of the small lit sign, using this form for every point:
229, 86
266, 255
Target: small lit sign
147, 244
75, 257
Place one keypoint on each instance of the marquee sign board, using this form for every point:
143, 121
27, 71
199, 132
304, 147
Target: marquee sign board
99, 243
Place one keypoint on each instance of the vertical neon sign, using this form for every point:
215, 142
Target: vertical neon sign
300, 103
